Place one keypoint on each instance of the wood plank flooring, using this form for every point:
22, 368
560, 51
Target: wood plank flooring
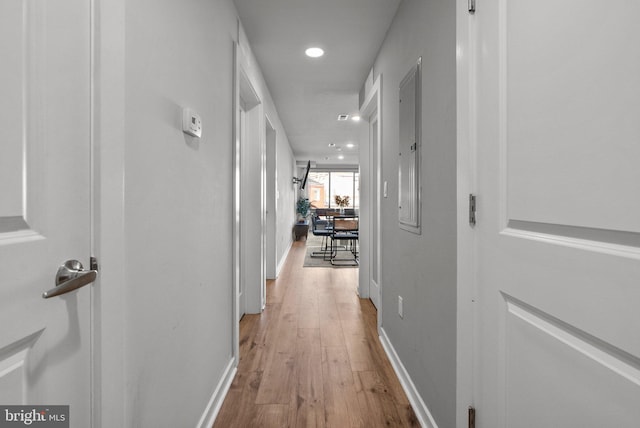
313, 358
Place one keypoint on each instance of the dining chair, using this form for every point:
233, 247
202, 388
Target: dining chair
320, 228
345, 228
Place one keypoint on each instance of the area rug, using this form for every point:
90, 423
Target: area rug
314, 243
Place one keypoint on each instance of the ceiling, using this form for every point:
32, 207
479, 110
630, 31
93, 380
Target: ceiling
310, 93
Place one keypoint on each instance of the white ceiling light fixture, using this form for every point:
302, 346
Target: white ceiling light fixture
342, 117
340, 157
332, 144
314, 52
350, 145
355, 118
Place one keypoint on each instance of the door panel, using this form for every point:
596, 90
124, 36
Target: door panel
11, 74
45, 203
558, 249
594, 375
571, 98
374, 289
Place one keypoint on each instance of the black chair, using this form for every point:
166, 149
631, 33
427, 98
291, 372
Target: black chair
320, 228
345, 228
321, 212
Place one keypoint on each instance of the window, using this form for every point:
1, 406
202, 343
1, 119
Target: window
325, 185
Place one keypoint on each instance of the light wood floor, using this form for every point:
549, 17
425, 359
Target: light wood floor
313, 358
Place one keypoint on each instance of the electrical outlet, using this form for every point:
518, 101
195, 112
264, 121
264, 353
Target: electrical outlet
400, 307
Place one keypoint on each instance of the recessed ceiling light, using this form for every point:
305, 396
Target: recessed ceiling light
355, 118
314, 52
343, 116
332, 144
340, 157
350, 145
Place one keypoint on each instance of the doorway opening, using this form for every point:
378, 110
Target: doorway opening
270, 252
249, 272
371, 159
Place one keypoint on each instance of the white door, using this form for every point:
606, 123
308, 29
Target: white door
374, 287
558, 232
241, 211
271, 203
44, 203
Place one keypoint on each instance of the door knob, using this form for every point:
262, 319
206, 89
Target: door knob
70, 276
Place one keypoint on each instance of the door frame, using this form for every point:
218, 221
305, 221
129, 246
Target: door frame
375, 266
245, 96
466, 184
372, 109
108, 136
271, 203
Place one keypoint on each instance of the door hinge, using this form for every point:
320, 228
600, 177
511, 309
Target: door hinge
472, 6
93, 263
472, 209
472, 417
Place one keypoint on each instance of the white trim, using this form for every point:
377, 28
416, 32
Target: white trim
466, 57
215, 402
617, 250
271, 203
371, 109
235, 294
95, 410
109, 138
283, 259
419, 407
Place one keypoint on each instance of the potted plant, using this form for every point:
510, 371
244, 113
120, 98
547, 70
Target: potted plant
302, 208
341, 201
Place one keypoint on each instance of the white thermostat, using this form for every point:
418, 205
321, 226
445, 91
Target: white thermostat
191, 123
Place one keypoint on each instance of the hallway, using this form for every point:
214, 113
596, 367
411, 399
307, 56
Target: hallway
313, 357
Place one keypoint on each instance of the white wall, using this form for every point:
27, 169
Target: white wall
422, 268
286, 203
177, 208
285, 161
165, 207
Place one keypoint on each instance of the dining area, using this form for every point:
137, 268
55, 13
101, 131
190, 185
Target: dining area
338, 231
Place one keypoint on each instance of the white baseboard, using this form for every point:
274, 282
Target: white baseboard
215, 402
419, 407
283, 259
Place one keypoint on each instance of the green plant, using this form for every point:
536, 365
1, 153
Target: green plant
302, 207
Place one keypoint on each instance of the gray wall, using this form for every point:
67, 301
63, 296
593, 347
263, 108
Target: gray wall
178, 206
422, 268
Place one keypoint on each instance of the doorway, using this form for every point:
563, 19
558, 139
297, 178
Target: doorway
271, 201
370, 109
252, 200
249, 282
374, 285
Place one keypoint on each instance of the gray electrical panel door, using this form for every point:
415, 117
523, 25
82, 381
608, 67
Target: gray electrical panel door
409, 151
